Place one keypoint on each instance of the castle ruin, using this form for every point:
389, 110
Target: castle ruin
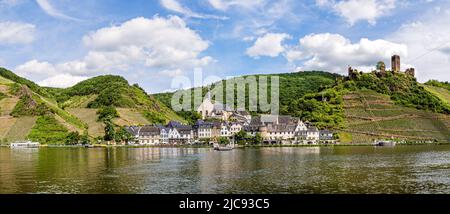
381, 69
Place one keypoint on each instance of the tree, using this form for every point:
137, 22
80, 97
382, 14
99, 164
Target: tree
107, 113
110, 132
223, 140
241, 137
122, 135
258, 139
84, 139
73, 138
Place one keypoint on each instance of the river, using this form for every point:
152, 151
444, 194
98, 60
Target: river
365, 169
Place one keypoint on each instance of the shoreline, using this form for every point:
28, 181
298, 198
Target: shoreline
237, 147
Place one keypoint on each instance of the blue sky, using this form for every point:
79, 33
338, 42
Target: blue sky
149, 42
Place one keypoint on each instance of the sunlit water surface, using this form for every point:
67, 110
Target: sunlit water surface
403, 169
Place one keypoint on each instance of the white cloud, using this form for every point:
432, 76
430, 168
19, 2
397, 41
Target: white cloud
61, 81
268, 45
16, 33
226, 4
356, 10
48, 8
175, 6
35, 67
151, 44
428, 45
157, 43
333, 52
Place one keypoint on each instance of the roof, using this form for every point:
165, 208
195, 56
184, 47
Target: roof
184, 129
312, 129
134, 130
149, 130
281, 128
325, 132
173, 124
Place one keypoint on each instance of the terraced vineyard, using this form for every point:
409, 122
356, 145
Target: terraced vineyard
442, 93
89, 116
129, 117
20, 129
371, 116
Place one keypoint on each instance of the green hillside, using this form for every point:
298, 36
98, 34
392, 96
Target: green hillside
442, 93
114, 91
365, 108
370, 115
48, 115
292, 86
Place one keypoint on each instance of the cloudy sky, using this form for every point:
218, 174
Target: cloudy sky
61, 42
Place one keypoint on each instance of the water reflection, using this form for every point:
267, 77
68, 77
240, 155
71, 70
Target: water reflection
412, 169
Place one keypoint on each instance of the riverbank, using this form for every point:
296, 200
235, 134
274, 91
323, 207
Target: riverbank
237, 146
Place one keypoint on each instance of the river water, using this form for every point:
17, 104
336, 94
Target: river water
402, 169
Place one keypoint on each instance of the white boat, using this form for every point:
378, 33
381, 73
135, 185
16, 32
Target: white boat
385, 143
219, 147
25, 144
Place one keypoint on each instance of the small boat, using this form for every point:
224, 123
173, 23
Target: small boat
385, 143
25, 144
228, 147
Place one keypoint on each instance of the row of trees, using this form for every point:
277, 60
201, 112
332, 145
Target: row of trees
112, 132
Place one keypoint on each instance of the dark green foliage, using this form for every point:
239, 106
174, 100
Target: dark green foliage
73, 138
107, 113
110, 132
292, 86
154, 117
84, 139
243, 138
404, 90
2, 96
324, 109
223, 140
29, 107
47, 130
436, 83
190, 116
111, 90
15, 89
33, 86
122, 135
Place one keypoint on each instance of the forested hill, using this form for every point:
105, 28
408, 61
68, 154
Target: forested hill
370, 101
30, 111
292, 86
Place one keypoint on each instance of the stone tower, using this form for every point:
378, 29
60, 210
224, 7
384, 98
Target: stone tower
395, 60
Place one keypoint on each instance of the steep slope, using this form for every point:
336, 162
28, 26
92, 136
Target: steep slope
292, 86
23, 104
368, 107
442, 93
135, 106
28, 110
370, 115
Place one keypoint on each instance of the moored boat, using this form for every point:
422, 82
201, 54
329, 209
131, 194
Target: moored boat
25, 144
219, 147
385, 143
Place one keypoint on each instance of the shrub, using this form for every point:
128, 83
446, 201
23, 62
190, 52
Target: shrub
48, 130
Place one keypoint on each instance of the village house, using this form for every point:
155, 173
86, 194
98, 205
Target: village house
220, 111
206, 130
179, 133
145, 135
274, 129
